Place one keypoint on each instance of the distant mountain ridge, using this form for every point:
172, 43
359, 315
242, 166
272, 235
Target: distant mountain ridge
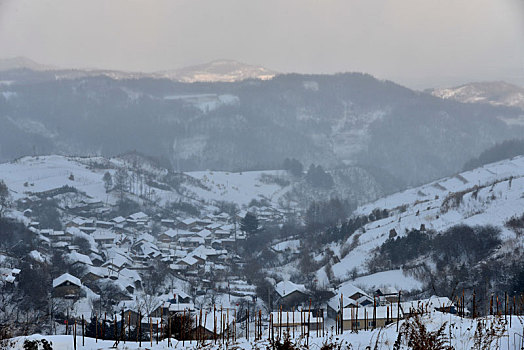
214, 71
496, 93
399, 136
218, 71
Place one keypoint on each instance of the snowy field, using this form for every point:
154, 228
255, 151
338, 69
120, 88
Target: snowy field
240, 187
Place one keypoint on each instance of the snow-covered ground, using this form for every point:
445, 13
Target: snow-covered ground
239, 187
460, 334
38, 174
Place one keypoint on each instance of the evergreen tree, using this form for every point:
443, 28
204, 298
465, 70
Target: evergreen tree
250, 224
294, 167
317, 177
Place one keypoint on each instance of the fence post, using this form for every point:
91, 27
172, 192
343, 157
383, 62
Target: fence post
83, 331
398, 309
309, 322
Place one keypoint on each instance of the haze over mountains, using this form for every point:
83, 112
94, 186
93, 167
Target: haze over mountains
386, 133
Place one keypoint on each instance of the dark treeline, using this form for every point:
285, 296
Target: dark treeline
329, 222
501, 151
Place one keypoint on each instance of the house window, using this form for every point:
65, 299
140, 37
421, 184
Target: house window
371, 324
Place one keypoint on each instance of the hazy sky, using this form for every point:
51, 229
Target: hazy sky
420, 43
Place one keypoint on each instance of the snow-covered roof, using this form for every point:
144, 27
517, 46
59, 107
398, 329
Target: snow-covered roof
203, 250
9, 278
349, 290
214, 226
97, 271
146, 237
76, 257
204, 233
188, 260
118, 219
189, 221
284, 288
117, 260
66, 278
170, 233
149, 248
139, 216
100, 235
78, 221
180, 293
130, 274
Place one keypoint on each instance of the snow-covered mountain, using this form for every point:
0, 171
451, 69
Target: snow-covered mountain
218, 71
496, 93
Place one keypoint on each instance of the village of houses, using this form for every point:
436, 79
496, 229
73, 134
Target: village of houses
194, 258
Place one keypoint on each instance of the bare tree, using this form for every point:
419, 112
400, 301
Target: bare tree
121, 182
146, 303
108, 181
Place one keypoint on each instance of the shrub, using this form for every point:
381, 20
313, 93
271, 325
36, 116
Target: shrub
419, 338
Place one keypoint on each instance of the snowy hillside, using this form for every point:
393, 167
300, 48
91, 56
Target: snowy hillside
490, 195
40, 174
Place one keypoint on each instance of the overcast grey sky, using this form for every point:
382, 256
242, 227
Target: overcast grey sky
419, 43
